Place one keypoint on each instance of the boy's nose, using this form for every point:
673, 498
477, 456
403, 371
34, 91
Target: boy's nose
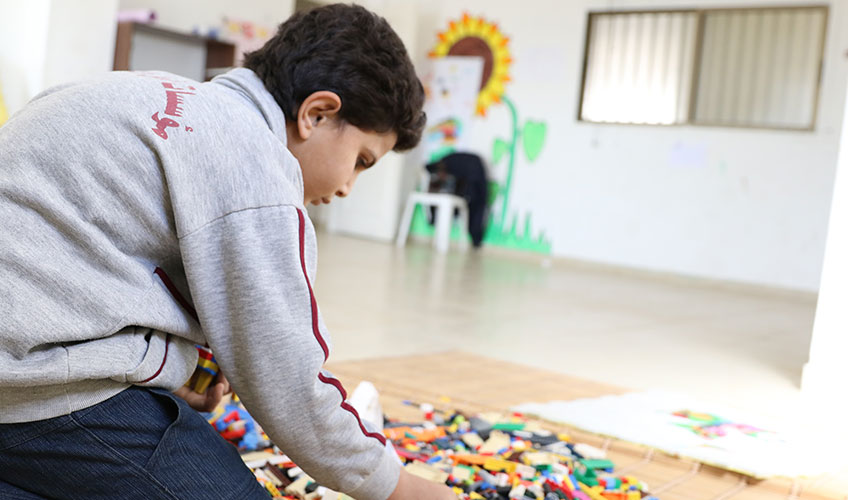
345, 190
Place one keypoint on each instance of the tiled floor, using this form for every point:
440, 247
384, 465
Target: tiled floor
735, 346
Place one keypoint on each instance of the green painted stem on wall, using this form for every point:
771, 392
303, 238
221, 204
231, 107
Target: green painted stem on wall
512, 145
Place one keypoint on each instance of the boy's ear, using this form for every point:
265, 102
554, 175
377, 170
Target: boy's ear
316, 110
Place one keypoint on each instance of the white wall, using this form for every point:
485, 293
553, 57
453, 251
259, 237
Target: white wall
826, 371
23, 43
80, 41
747, 206
47, 42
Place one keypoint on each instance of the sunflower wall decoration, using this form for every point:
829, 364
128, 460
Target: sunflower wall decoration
475, 36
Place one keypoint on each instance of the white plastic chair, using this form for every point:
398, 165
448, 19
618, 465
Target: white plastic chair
446, 204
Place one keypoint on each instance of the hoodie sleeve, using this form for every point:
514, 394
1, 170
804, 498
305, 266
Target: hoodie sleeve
249, 275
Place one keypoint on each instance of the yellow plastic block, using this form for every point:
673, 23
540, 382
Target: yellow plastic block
592, 492
201, 381
499, 465
207, 363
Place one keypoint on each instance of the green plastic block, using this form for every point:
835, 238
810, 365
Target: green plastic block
509, 426
597, 464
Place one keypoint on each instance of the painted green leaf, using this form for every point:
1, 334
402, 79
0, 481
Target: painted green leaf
500, 147
534, 138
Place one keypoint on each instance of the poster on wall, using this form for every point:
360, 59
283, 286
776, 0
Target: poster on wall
451, 85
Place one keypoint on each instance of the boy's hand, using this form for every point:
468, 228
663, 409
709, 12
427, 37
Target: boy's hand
209, 400
411, 487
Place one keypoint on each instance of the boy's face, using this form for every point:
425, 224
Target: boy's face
332, 153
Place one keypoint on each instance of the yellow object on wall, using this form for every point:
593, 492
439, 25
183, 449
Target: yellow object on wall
4, 115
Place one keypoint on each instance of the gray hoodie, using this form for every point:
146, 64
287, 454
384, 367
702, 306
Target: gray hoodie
143, 213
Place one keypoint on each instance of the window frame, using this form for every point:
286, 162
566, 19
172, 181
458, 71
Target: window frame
701, 17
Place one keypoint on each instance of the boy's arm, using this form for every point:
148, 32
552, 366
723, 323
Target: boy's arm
249, 277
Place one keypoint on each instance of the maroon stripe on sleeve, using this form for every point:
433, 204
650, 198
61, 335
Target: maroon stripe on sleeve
315, 329
184, 303
164, 358
189, 308
317, 333
338, 385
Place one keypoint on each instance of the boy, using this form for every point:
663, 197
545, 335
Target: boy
143, 213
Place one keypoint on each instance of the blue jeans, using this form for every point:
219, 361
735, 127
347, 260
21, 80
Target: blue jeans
140, 444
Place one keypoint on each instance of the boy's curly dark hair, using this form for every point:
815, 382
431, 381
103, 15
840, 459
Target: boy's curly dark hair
353, 52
